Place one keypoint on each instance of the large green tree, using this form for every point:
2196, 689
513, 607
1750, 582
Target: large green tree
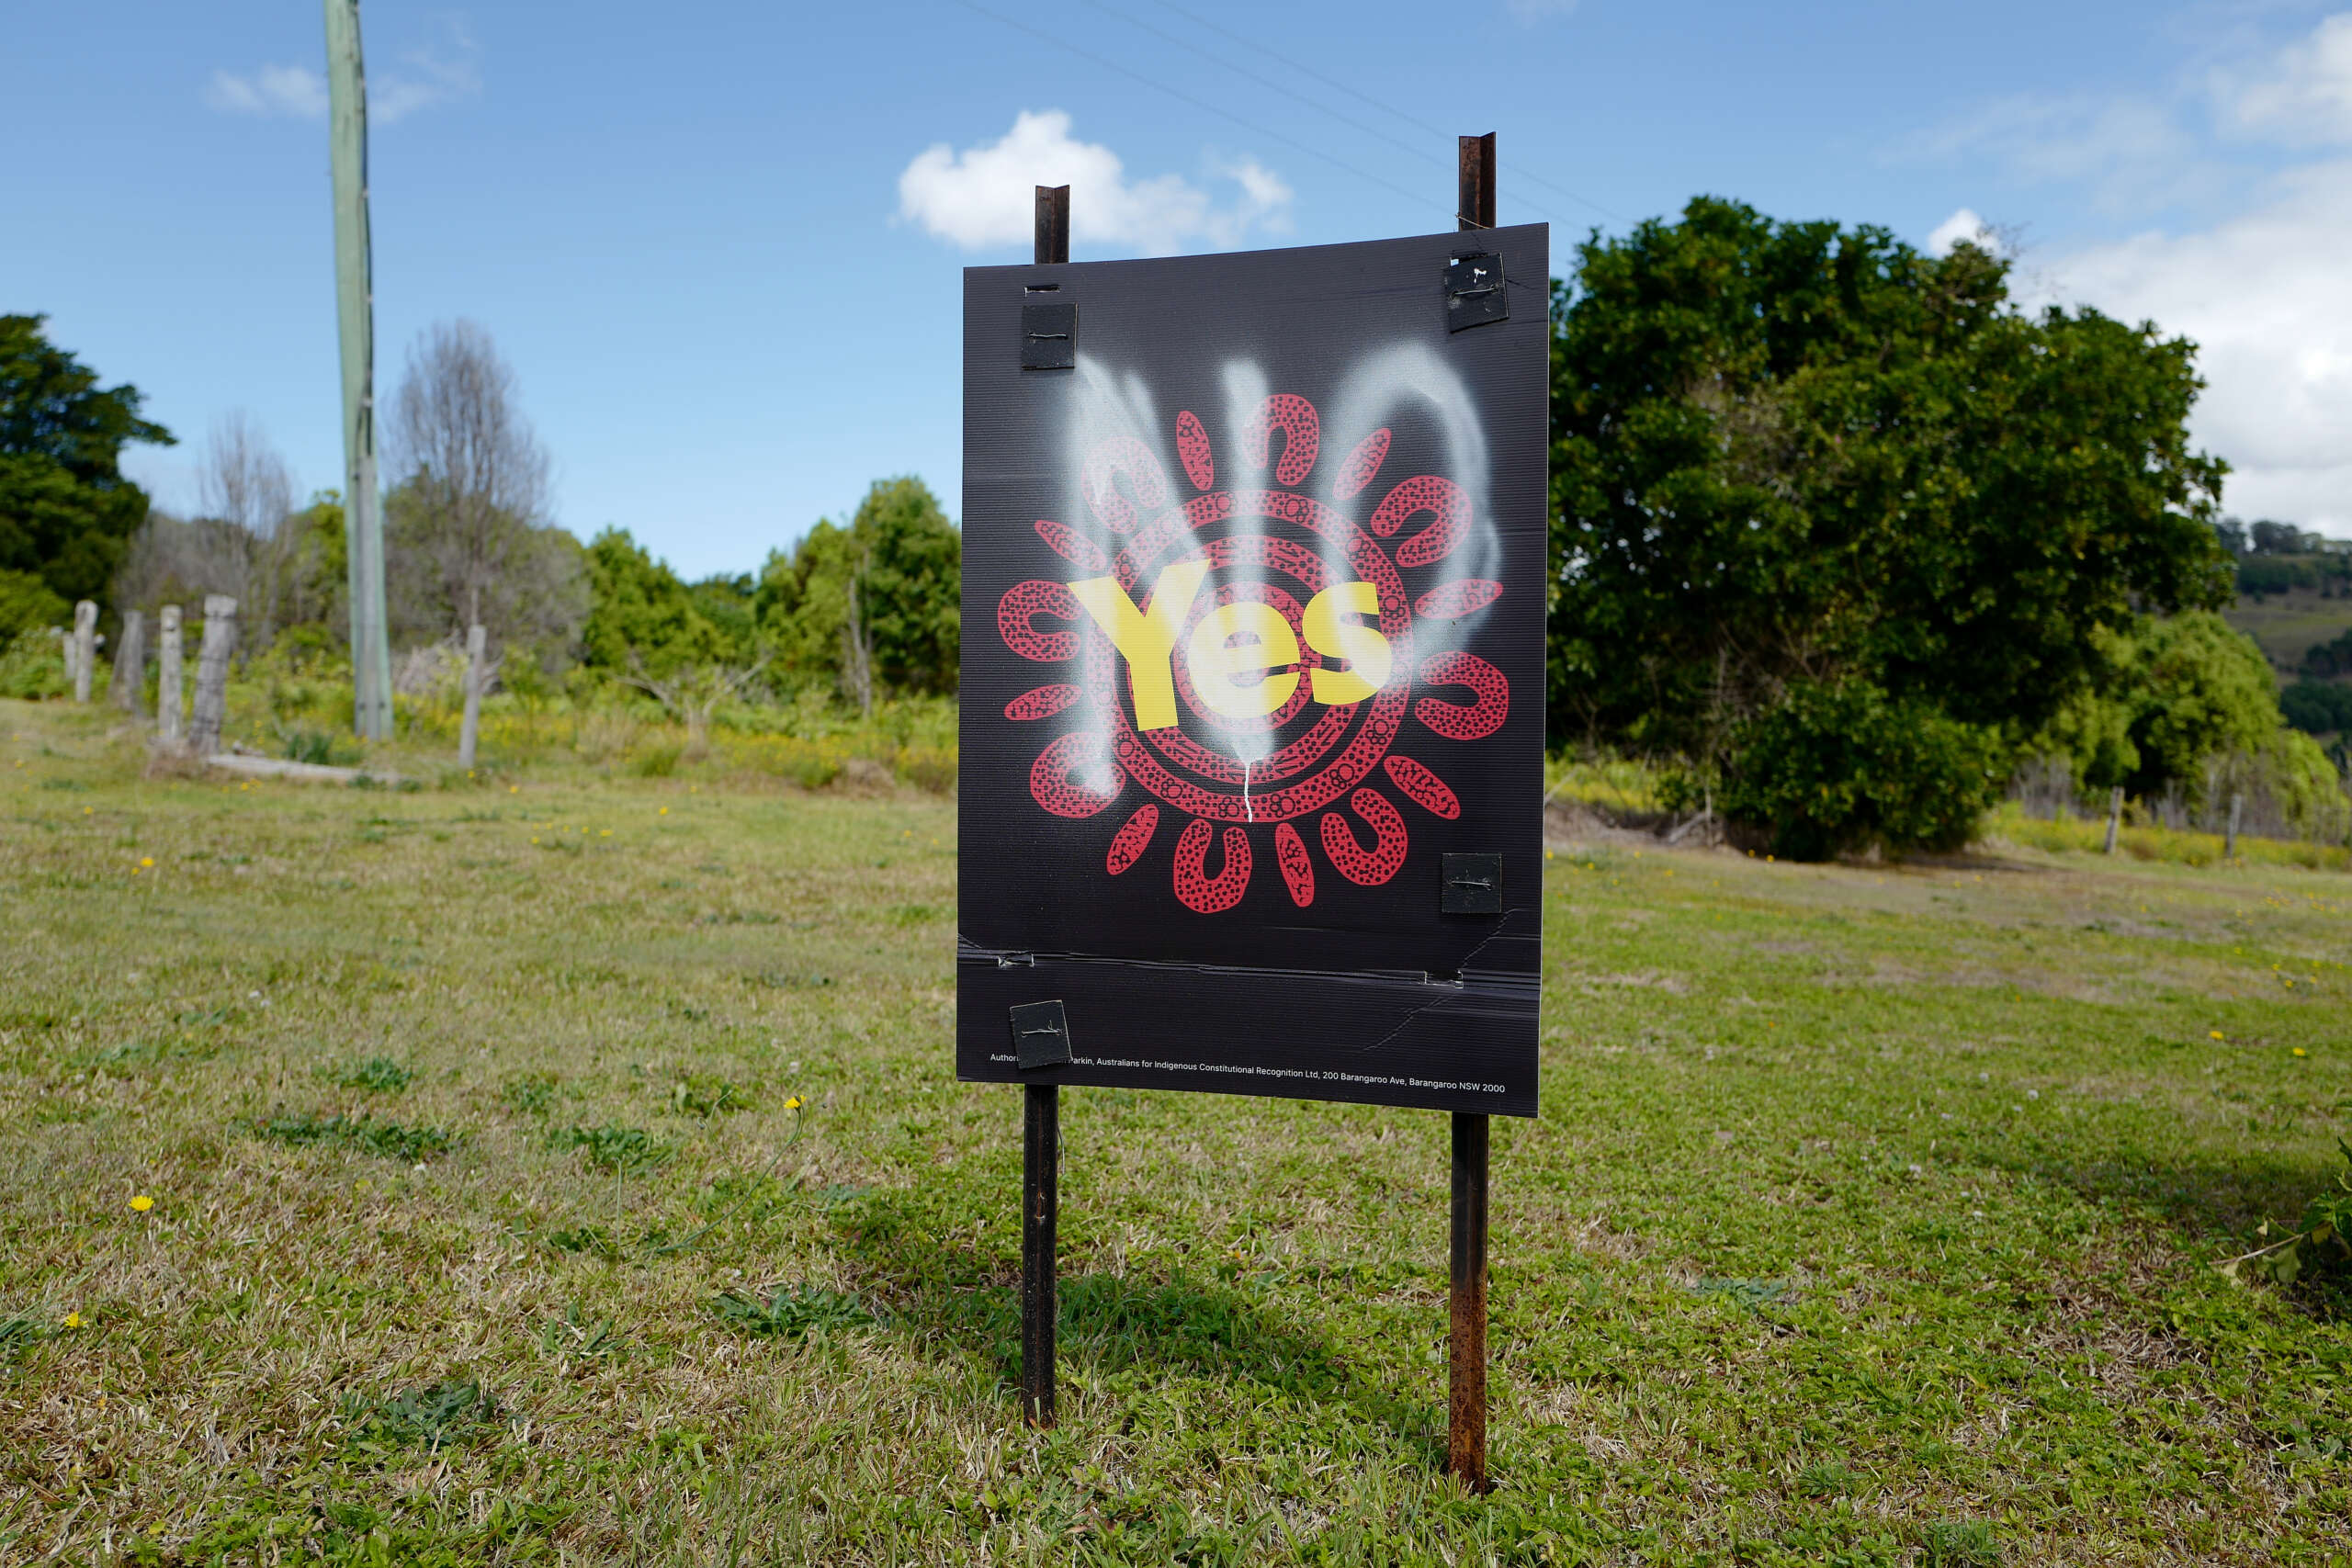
66, 513
897, 566
1802, 470
641, 615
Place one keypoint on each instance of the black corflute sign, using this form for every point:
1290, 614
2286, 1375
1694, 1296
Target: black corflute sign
1253, 671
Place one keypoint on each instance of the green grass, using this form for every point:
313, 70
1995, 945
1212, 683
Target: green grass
2290, 625
1870, 1219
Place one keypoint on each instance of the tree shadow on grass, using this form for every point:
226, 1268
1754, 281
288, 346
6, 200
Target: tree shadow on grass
2210, 1202
964, 1303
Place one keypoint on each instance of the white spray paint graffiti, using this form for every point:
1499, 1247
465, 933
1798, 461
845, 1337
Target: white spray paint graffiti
1102, 407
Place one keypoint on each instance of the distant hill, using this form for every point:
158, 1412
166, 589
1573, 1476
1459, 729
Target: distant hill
2288, 625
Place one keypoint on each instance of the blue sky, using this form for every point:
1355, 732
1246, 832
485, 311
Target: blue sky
721, 242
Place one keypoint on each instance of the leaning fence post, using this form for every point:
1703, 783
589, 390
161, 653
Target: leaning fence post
2230, 846
212, 674
130, 664
86, 630
467, 731
2114, 816
169, 662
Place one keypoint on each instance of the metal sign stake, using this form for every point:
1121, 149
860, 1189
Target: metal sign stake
1465, 1383
1041, 1137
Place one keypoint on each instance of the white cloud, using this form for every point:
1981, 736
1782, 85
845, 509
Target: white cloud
2302, 95
2253, 270
422, 79
295, 90
1961, 226
985, 197
2263, 295
429, 76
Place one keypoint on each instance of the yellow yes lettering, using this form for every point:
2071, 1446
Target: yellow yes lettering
1146, 639
1216, 659
1365, 650
1245, 637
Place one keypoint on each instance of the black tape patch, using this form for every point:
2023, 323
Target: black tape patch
1474, 292
1473, 885
1040, 1035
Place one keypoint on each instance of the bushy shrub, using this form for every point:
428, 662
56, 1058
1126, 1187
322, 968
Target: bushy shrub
33, 668
2319, 707
1836, 768
929, 767
27, 603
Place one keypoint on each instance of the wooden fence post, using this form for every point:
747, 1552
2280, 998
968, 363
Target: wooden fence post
212, 674
2114, 816
2237, 808
130, 664
170, 665
86, 630
471, 727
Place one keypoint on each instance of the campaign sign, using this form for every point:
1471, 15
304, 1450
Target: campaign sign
1252, 716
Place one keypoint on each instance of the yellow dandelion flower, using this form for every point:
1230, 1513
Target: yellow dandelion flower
135, 870
146, 860
603, 832
73, 1319
143, 1203
514, 789
665, 811
535, 838
2300, 1052
793, 1104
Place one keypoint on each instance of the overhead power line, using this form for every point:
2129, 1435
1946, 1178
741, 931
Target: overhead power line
1418, 149
1420, 198
1338, 85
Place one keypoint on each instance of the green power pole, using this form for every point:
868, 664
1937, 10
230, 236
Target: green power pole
355, 291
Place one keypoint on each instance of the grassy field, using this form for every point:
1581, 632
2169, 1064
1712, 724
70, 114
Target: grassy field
2291, 624
567, 1169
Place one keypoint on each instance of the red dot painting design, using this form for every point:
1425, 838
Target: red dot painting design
1043, 702
1135, 836
1453, 720
1361, 465
1366, 867
1228, 779
1424, 788
1200, 891
1451, 601
1302, 433
1071, 545
1193, 451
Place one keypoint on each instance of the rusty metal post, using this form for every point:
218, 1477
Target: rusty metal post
1040, 1209
1465, 1379
1474, 199
1041, 1136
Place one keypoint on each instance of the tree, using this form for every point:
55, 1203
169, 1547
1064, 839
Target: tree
641, 615
2179, 695
1800, 457
27, 603
467, 537
246, 494
2315, 707
66, 513
2196, 686
875, 606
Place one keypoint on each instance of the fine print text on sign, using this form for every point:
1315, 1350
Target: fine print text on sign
1253, 671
